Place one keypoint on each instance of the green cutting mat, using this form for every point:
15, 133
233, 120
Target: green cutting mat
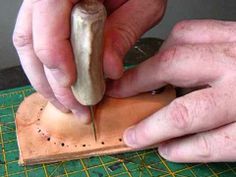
144, 163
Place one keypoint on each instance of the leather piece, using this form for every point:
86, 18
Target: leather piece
47, 135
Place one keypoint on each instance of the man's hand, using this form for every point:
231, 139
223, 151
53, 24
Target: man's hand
42, 34
200, 126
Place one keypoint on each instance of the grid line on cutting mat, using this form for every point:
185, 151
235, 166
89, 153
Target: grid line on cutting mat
142, 163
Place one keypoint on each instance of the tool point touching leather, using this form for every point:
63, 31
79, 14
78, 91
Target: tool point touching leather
46, 134
87, 28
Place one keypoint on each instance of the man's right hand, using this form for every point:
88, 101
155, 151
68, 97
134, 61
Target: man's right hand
41, 37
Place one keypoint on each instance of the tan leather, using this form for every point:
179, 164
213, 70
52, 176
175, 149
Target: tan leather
47, 135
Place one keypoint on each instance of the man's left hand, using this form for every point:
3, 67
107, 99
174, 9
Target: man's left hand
200, 126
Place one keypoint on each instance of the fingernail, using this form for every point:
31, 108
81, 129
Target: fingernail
84, 117
60, 77
164, 151
130, 137
113, 64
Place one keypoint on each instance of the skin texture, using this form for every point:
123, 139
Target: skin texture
200, 126
41, 38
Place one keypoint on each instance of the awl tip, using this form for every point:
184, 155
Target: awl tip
93, 122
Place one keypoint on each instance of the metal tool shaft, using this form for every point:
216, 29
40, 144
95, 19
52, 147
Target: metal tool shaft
87, 28
93, 122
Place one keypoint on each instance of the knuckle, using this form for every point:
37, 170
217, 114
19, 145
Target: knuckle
204, 147
227, 140
181, 27
206, 101
168, 58
170, 54
183, 31
125, 38
179, 115
47, 56
21, 40
230, 51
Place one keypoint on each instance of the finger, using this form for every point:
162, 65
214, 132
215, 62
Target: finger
178, 66
22, 39
112, 5
66, 97
123, 28
217, 145
51, 33
185, 115
201, 31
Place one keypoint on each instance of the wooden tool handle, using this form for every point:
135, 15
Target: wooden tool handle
87, 28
